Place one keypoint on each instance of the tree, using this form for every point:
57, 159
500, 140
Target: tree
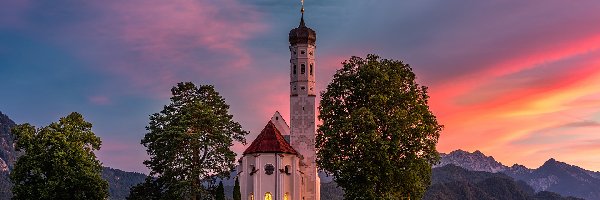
59, 161
237, 195
147, 190
189, 142
378, 136
220, 192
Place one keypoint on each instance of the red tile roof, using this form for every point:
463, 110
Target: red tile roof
270, 140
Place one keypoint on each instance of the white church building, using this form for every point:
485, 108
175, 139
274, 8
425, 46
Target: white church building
280, 163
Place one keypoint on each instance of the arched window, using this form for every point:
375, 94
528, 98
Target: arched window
302, 68
294, 70
268, 196
251, 197
311, 69
286, 196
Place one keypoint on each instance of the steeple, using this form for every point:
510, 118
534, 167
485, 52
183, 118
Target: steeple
302, 17
302, 21
302, 34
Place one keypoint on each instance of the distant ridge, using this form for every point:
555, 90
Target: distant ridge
553, 176
453, 182
119, 182
475, 161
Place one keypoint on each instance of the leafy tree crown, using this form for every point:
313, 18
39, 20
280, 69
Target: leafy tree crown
378, 137
59, 161
189, 142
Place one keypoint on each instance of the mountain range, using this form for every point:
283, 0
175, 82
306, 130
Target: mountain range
450, 182
552, 176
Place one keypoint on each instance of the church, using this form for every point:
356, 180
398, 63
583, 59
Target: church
280, 164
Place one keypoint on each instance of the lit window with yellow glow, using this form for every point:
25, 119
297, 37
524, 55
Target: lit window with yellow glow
286, 196
251, 197
268, 196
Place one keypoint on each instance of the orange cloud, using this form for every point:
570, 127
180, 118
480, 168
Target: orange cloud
494, 124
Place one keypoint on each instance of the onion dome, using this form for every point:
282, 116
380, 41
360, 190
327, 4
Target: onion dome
302, 34
270, 140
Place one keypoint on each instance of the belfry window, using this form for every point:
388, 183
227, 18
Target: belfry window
311, 69
294, 70
302, 68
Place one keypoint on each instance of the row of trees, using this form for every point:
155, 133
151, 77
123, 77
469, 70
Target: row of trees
377, 139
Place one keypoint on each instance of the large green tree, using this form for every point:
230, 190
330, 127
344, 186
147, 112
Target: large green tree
59, 161
189, 142
378, 136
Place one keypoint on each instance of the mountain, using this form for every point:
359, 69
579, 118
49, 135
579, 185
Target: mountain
7, 155
552, 176
475, 161
119, 182
454, 182
562, 178
7, 150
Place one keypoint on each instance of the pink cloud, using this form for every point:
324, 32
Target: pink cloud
155, 44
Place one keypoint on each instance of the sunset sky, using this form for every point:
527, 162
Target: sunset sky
518, 80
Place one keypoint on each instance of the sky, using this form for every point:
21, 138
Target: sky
517, 80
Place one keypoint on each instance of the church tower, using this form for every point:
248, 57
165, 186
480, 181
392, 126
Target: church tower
274, 167
302, 104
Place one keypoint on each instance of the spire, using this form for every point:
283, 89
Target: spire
302, 17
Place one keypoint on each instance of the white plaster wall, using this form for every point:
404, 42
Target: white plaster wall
287, 180
277, 184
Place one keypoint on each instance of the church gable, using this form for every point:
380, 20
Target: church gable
280, 124
270, 140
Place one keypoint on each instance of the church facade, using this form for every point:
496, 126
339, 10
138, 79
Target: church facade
280, 164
